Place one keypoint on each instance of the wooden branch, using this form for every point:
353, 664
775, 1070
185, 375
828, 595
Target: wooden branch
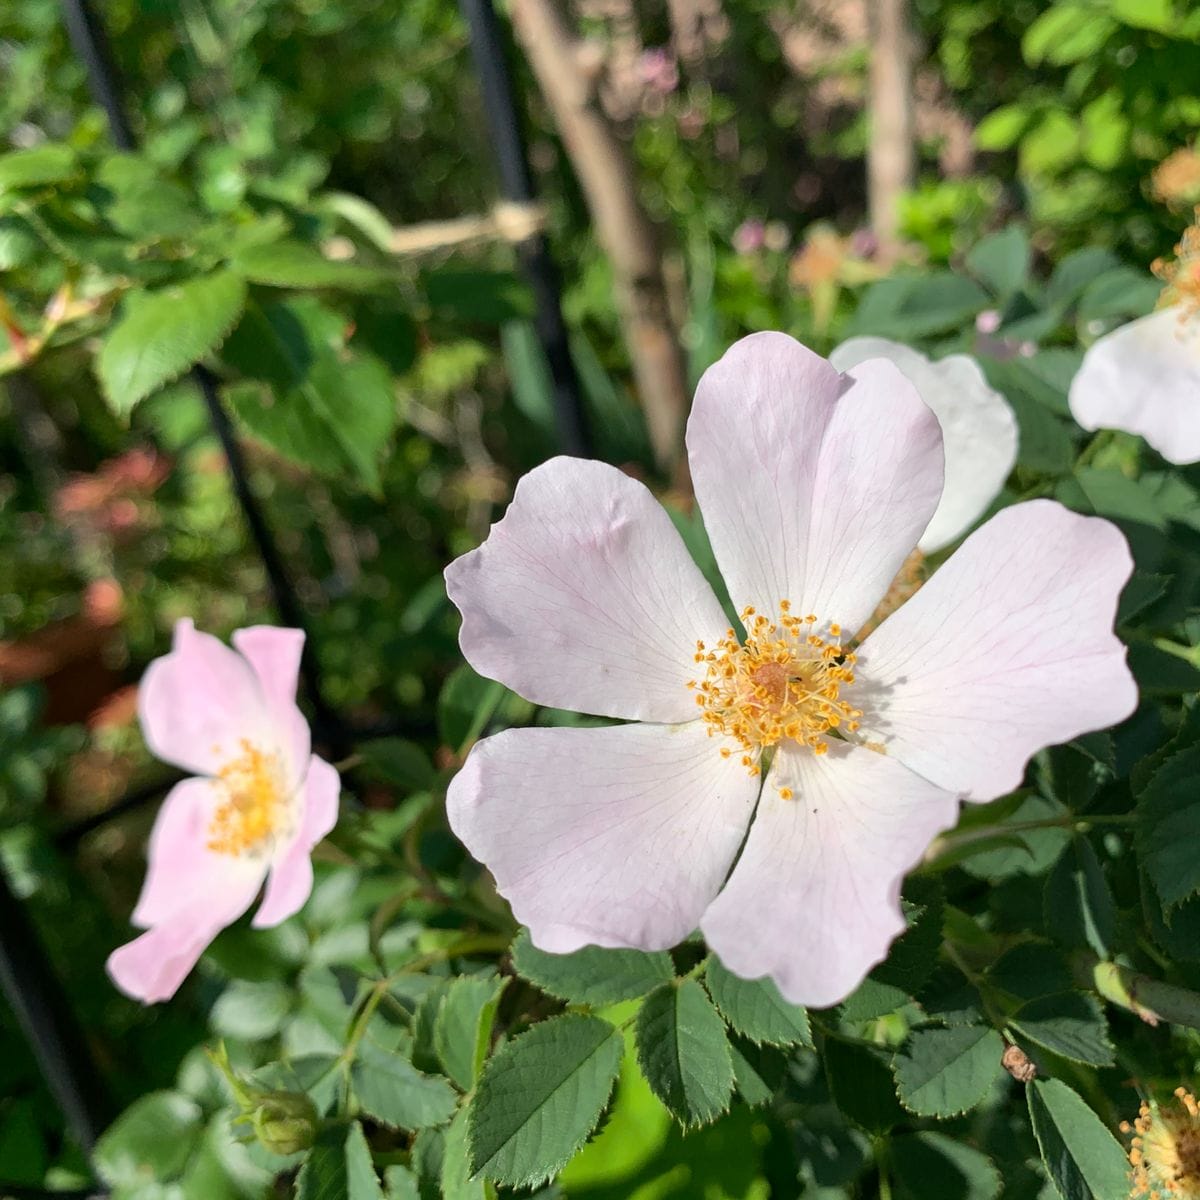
605, 168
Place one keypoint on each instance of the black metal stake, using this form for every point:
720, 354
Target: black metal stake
91, 45
37, 999
537, 264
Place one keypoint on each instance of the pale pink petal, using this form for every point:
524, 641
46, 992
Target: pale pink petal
610, 837
179, 866
291, 877
979, 430
814, 487
814, 899
584, 597
152, 966
1144, 378
199, 702
274, 655
1007, 649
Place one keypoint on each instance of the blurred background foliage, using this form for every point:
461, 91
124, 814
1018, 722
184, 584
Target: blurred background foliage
388, 400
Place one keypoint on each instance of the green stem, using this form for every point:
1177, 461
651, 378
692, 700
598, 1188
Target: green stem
1148, 998
950, 843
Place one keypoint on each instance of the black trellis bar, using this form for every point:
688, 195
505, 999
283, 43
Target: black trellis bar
537, 264
91, 45
41, 1008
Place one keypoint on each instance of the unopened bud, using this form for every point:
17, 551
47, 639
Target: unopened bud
284, 1122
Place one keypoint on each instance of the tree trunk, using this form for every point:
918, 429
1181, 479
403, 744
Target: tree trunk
891, 153
604, 166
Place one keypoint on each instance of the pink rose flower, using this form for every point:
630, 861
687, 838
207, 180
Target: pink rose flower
259, 802
843, 763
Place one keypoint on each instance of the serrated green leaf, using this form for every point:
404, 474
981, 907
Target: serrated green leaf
292, 264
754, 1008
1069, 1023
361, 1181
1001, 260
591, 976
151, 1139
861, 1084
944, 1072
162, 333
1083, 1159
539, 1098
400, 1183
949, 998
929, 1164
684, 1053
457, 1180
1168, 825
1078, 902
390, 1089
463, 1030
758, 1071
913, 956
1031, 970
323, 1174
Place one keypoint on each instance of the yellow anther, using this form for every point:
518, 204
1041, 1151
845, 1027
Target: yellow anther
255, 802
782, 684
785, 793
1181, 276
1165, 1150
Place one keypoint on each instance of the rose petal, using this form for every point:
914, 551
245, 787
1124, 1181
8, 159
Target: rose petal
807, 494
199, 702
152, 966
584, 597
1007, 649
814, 899
1144, 378
291, 877
979, 430
610, 837
274, 654
180, 866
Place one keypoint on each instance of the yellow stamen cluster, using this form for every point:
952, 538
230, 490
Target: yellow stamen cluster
255, 804
782, 684
1181, 276
1165, 1151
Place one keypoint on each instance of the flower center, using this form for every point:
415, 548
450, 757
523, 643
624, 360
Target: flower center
1165, 1152
1182, 276
783, 683
255, 804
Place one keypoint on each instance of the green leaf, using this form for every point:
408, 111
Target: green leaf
1068, 1023
151, 1139
457, 1179
930, 1164
251, 1010
37, 167
1001, 128
1158, 15
328, 408
861, 1084
294, 264
1001, 260
1168, 824
1051, 145
399, 762
1083, 1159
361, 1181
162, 333
684, 1053
1037, 849
1066, 33
758, 1071
913, 956
1076, 271
1122, 292
539, 1098
339, 1167
943, 1072
463, 1032
1078, 903
390, 1089
914, 306
591, 976
477, 297
468, 703
1031, 970
401, 1183
755, 1008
